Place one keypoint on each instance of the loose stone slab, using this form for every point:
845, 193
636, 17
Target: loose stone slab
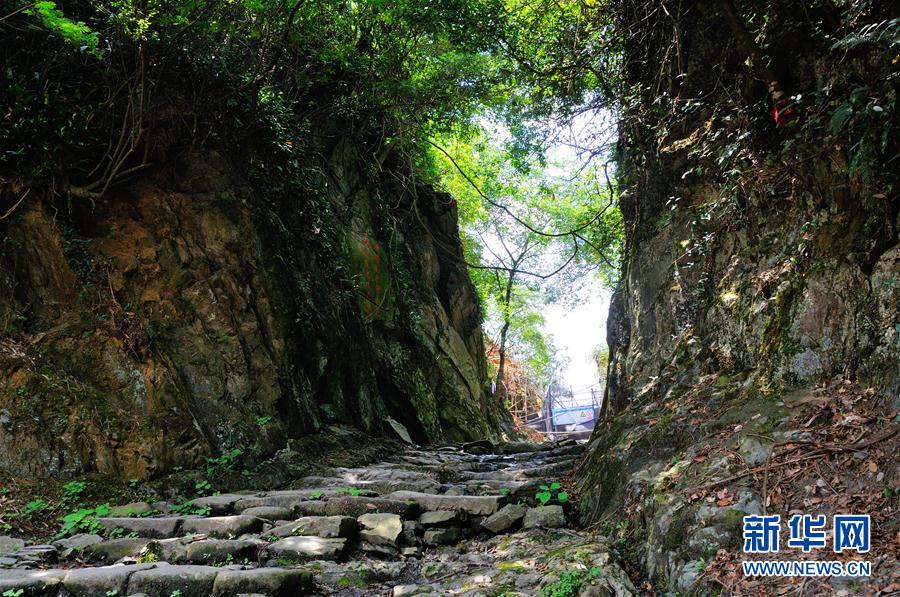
357, 506
113, 550
154, 528
189, 581
380, 529
271, 582
75, 543
268, 501
378, 550
10, 544
218, 504
474, 505
46, 554
300, 549
440, 518
286, 498
217, 551
269, 512
545, 516
446, 536
223, 526
309, 508
326, 527
31, 581
400, 430
132, 509
505, 518
88, 582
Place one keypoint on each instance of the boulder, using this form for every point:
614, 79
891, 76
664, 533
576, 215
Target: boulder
380, 529
506, 518
548, 517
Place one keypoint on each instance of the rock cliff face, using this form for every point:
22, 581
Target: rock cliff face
188, 314
762, 262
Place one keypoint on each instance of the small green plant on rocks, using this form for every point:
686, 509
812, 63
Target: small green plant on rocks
190, 509
546, 494
83, 520
34, 507
73, 492
569, 584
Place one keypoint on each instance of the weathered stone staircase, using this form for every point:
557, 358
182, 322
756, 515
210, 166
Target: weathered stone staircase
448, 521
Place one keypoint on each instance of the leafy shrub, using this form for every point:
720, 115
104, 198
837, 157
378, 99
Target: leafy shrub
83, 520
73, 492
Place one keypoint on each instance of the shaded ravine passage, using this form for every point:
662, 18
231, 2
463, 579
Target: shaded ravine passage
432, 522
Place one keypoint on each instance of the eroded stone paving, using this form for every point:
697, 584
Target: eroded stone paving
455, 520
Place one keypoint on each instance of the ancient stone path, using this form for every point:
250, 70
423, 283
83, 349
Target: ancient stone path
433, 522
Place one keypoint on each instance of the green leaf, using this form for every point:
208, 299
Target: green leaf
562, 497
543, 497
555, 486
840, 117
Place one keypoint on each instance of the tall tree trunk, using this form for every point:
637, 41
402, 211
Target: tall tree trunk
501, 367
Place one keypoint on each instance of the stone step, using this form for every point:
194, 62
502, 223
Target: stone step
294, 550
357, 505
326, 527
473, 505
158, 579
166, 527
223, 526
154, 528
113, 550
288, 499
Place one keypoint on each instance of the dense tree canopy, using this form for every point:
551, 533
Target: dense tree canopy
97, 92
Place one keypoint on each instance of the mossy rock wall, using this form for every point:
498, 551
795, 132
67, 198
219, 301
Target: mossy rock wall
761, 258
188, 313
